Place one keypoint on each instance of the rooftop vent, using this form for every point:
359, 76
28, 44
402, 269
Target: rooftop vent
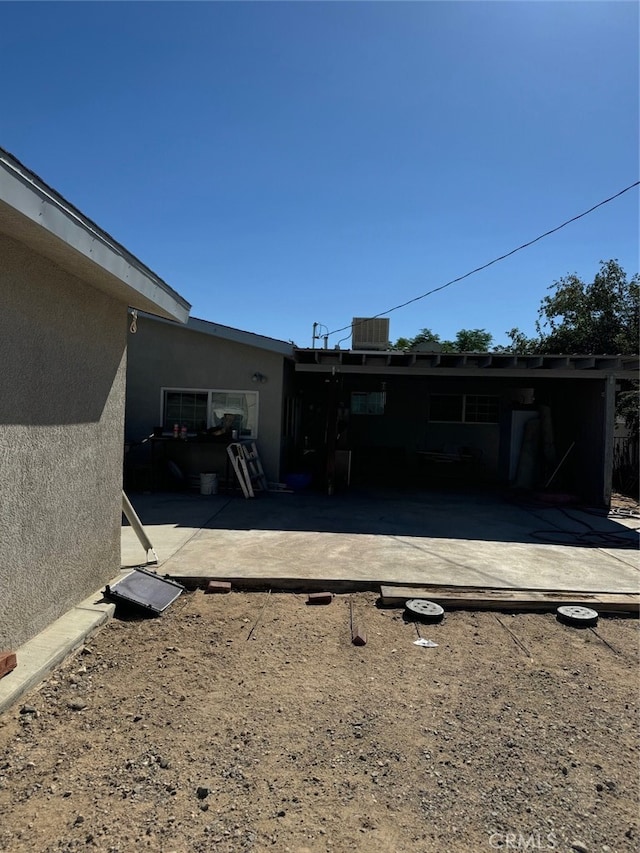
370, 334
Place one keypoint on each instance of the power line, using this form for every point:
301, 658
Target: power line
495, 260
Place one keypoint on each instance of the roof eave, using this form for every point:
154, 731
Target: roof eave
35, 215
238, 336
476, 364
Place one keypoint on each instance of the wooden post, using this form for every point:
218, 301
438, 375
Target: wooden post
358, 634
330, 435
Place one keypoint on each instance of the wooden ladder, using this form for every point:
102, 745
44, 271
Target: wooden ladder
254, 466
247, 466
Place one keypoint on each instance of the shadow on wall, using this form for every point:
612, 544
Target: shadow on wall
63, 356
77, 394
63, 343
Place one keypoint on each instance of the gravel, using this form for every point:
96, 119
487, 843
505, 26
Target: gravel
193, 738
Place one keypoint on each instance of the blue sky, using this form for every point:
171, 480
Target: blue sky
281, 164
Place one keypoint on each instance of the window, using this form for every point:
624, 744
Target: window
464, 408
367, 402
187, 408
480, 409
201, 410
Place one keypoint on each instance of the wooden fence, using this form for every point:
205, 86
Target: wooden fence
625, 465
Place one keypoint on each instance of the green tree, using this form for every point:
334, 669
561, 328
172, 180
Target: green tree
519, 343
628, 406
472, 340
597, 318
466, 340
402, 343
423, 336
601, 317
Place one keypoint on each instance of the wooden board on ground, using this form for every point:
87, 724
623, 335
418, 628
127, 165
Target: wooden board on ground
358, 634
510, 599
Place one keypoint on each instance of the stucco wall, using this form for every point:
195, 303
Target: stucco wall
62, 385
167, 356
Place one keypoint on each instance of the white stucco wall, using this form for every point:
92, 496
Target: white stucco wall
62, 387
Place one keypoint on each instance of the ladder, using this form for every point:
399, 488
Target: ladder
254, 465
245, 459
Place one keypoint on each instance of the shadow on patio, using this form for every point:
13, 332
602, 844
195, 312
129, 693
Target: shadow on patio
482, 515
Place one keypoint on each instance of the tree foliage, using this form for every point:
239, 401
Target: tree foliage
423, 336
473, 340
600, 317
466, 340
577, 318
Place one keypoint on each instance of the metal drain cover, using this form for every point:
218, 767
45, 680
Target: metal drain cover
427, 611
580, 617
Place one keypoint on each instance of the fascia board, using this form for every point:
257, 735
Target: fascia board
35, 215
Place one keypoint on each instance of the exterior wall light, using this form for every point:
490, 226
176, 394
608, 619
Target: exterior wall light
259, 377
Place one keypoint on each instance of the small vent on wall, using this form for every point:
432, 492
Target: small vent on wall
370, 334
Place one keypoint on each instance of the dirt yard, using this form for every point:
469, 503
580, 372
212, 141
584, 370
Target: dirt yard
249, 722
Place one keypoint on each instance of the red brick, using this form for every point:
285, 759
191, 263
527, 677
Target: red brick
217, 587
8, 662
320, 598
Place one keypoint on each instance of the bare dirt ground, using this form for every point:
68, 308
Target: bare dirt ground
249, 722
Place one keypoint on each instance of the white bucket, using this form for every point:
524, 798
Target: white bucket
208, 484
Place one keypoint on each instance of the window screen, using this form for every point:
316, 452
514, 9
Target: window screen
464, 408
367, 402
481, 409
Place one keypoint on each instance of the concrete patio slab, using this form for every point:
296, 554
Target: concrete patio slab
172, 520
478, 539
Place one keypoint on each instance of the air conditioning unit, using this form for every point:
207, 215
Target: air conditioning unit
370, 333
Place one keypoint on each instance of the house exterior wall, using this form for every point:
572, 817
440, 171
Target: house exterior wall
406, 423
62, 388
162, 355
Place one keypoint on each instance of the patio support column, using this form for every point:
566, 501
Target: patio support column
608, 430
332, 414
